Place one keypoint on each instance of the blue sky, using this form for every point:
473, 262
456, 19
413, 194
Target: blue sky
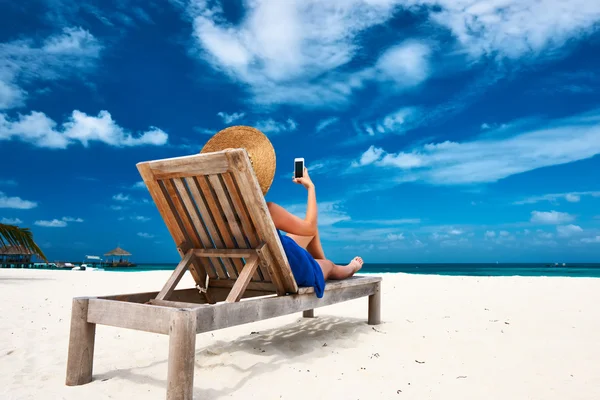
435, 131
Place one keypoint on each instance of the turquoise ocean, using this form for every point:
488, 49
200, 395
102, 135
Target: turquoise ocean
474, 269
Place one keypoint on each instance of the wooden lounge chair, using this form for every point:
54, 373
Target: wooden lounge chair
215, 211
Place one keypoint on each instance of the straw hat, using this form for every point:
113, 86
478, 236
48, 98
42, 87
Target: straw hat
259, 148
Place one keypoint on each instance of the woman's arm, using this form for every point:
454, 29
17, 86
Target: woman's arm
290, 223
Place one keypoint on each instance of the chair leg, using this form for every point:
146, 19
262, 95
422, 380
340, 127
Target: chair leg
182, 353
308, 313
375, 306
80, 358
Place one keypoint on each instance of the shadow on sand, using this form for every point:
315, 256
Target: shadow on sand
303, 339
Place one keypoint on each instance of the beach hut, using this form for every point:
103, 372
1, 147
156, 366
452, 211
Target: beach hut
122, 255
15, 256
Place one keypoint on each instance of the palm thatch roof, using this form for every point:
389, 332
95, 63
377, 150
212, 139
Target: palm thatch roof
15, 251
118, 252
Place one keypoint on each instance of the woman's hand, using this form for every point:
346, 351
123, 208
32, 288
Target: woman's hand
305, 180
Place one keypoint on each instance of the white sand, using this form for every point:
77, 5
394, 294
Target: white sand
442, 338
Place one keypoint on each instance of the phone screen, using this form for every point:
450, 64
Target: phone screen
298, 169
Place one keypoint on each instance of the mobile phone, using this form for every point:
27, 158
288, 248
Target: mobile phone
298, 167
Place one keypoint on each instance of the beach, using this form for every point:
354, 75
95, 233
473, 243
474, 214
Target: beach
441, 337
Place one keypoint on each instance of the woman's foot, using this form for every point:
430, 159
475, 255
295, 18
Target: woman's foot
356, 264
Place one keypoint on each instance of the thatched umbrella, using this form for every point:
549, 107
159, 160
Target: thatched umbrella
118, 252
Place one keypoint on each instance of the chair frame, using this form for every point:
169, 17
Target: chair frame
262, 287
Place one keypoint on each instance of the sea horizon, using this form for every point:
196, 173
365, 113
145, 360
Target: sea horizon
588, 270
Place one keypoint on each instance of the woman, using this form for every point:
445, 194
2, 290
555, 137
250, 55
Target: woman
302, 244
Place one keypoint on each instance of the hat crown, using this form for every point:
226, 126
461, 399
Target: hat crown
257, 145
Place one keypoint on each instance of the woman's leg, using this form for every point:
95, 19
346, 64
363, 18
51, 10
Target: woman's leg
338, 272
312, 244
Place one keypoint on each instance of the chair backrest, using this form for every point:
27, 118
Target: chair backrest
213, 201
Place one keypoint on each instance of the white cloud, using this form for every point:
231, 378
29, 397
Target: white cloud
456, 232
324, 123
591, 240
391, 222
368, 157
490, 159
397, 122
393, 237
406, 64
140, 218
55, 223
38, 129
229, 118
292, 52
505, 29
121, 197
116, 208
572, 197
273, 127
550, 217
568, 230
60, 56
544, 235
15, 202
139, 185
71, 219
490, 234
329, 212
485, 126
145, 235
11, 221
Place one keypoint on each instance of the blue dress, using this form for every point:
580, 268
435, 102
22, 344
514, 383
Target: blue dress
306, 270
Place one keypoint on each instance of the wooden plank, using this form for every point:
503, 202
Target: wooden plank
228, 211
243, 280
224, 315
175, 304
264, 286
80, 358
176, 276
247, 227
191, 295
141, 317
375, 306
208, 220
216, 213
257, 208
197, 164
200, 267
196, 222
182, 354
226, 253
230, 217
161, 203
344, 283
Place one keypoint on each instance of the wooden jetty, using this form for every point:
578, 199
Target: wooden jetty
15, 257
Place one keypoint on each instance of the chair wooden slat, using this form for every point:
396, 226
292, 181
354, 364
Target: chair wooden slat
248, 228
183, 244
197, 223
179, 167
212, 229
230, 216
178, 210
219, 219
